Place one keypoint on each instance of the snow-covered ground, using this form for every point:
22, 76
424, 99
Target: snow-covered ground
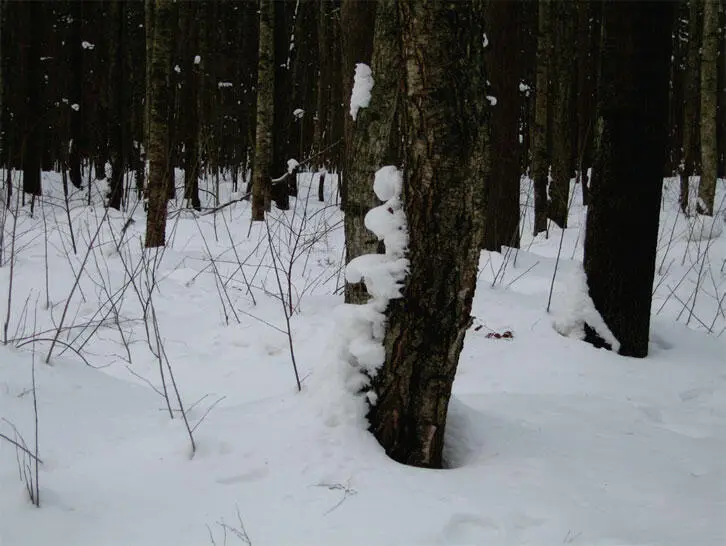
549, 440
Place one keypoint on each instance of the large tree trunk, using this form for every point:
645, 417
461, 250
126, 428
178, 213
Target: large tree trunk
540, 152
261, 181
445, 131
160, 178
501, 193
691, 105
563, 33
622, 220
370, 140
709, 94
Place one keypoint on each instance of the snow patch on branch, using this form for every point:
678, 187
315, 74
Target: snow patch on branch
580, 310
362, 86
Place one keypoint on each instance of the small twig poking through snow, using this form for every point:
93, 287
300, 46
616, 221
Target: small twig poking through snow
75, 285
240, 532
346, 489
36, 497
285, 309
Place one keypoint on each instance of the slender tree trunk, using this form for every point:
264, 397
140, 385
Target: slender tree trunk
722, 94
374, 136
76, 147
563, 18
117, 115
586, 85
622, 219
31, 152
159, 146
691, 106
709, 94
149, 36
442, 193
261, 181
190, 105
540, 155
501, 194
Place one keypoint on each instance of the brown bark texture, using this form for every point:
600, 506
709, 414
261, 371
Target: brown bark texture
445, 124
709, 94
159, 174
261, 181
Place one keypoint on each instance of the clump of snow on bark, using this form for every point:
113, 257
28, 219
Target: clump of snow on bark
292, 165
362, 86
87, 45
362, 327
298, 113
579, 310
197, 59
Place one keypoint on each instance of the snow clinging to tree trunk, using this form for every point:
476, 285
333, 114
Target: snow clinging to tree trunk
363, 326
362, 85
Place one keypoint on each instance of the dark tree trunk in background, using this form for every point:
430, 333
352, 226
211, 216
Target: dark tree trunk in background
374, 135
77, 146
588, 41
709, 94
563, 18
261, 185
285, 58
442, 193
159, 145
501, 193
622, 220
190, 104
31, 148
540, 152
691, 108
722, 95
117, 113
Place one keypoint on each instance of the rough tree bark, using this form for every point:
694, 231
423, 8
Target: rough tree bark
368, 142
445, 132
261, 181
501, 191
709, 94
622, 220
540, 155
159, 149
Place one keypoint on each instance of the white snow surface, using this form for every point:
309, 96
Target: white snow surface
548, 440
362, 85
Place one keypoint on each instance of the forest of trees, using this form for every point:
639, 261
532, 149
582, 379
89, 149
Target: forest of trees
469, 97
